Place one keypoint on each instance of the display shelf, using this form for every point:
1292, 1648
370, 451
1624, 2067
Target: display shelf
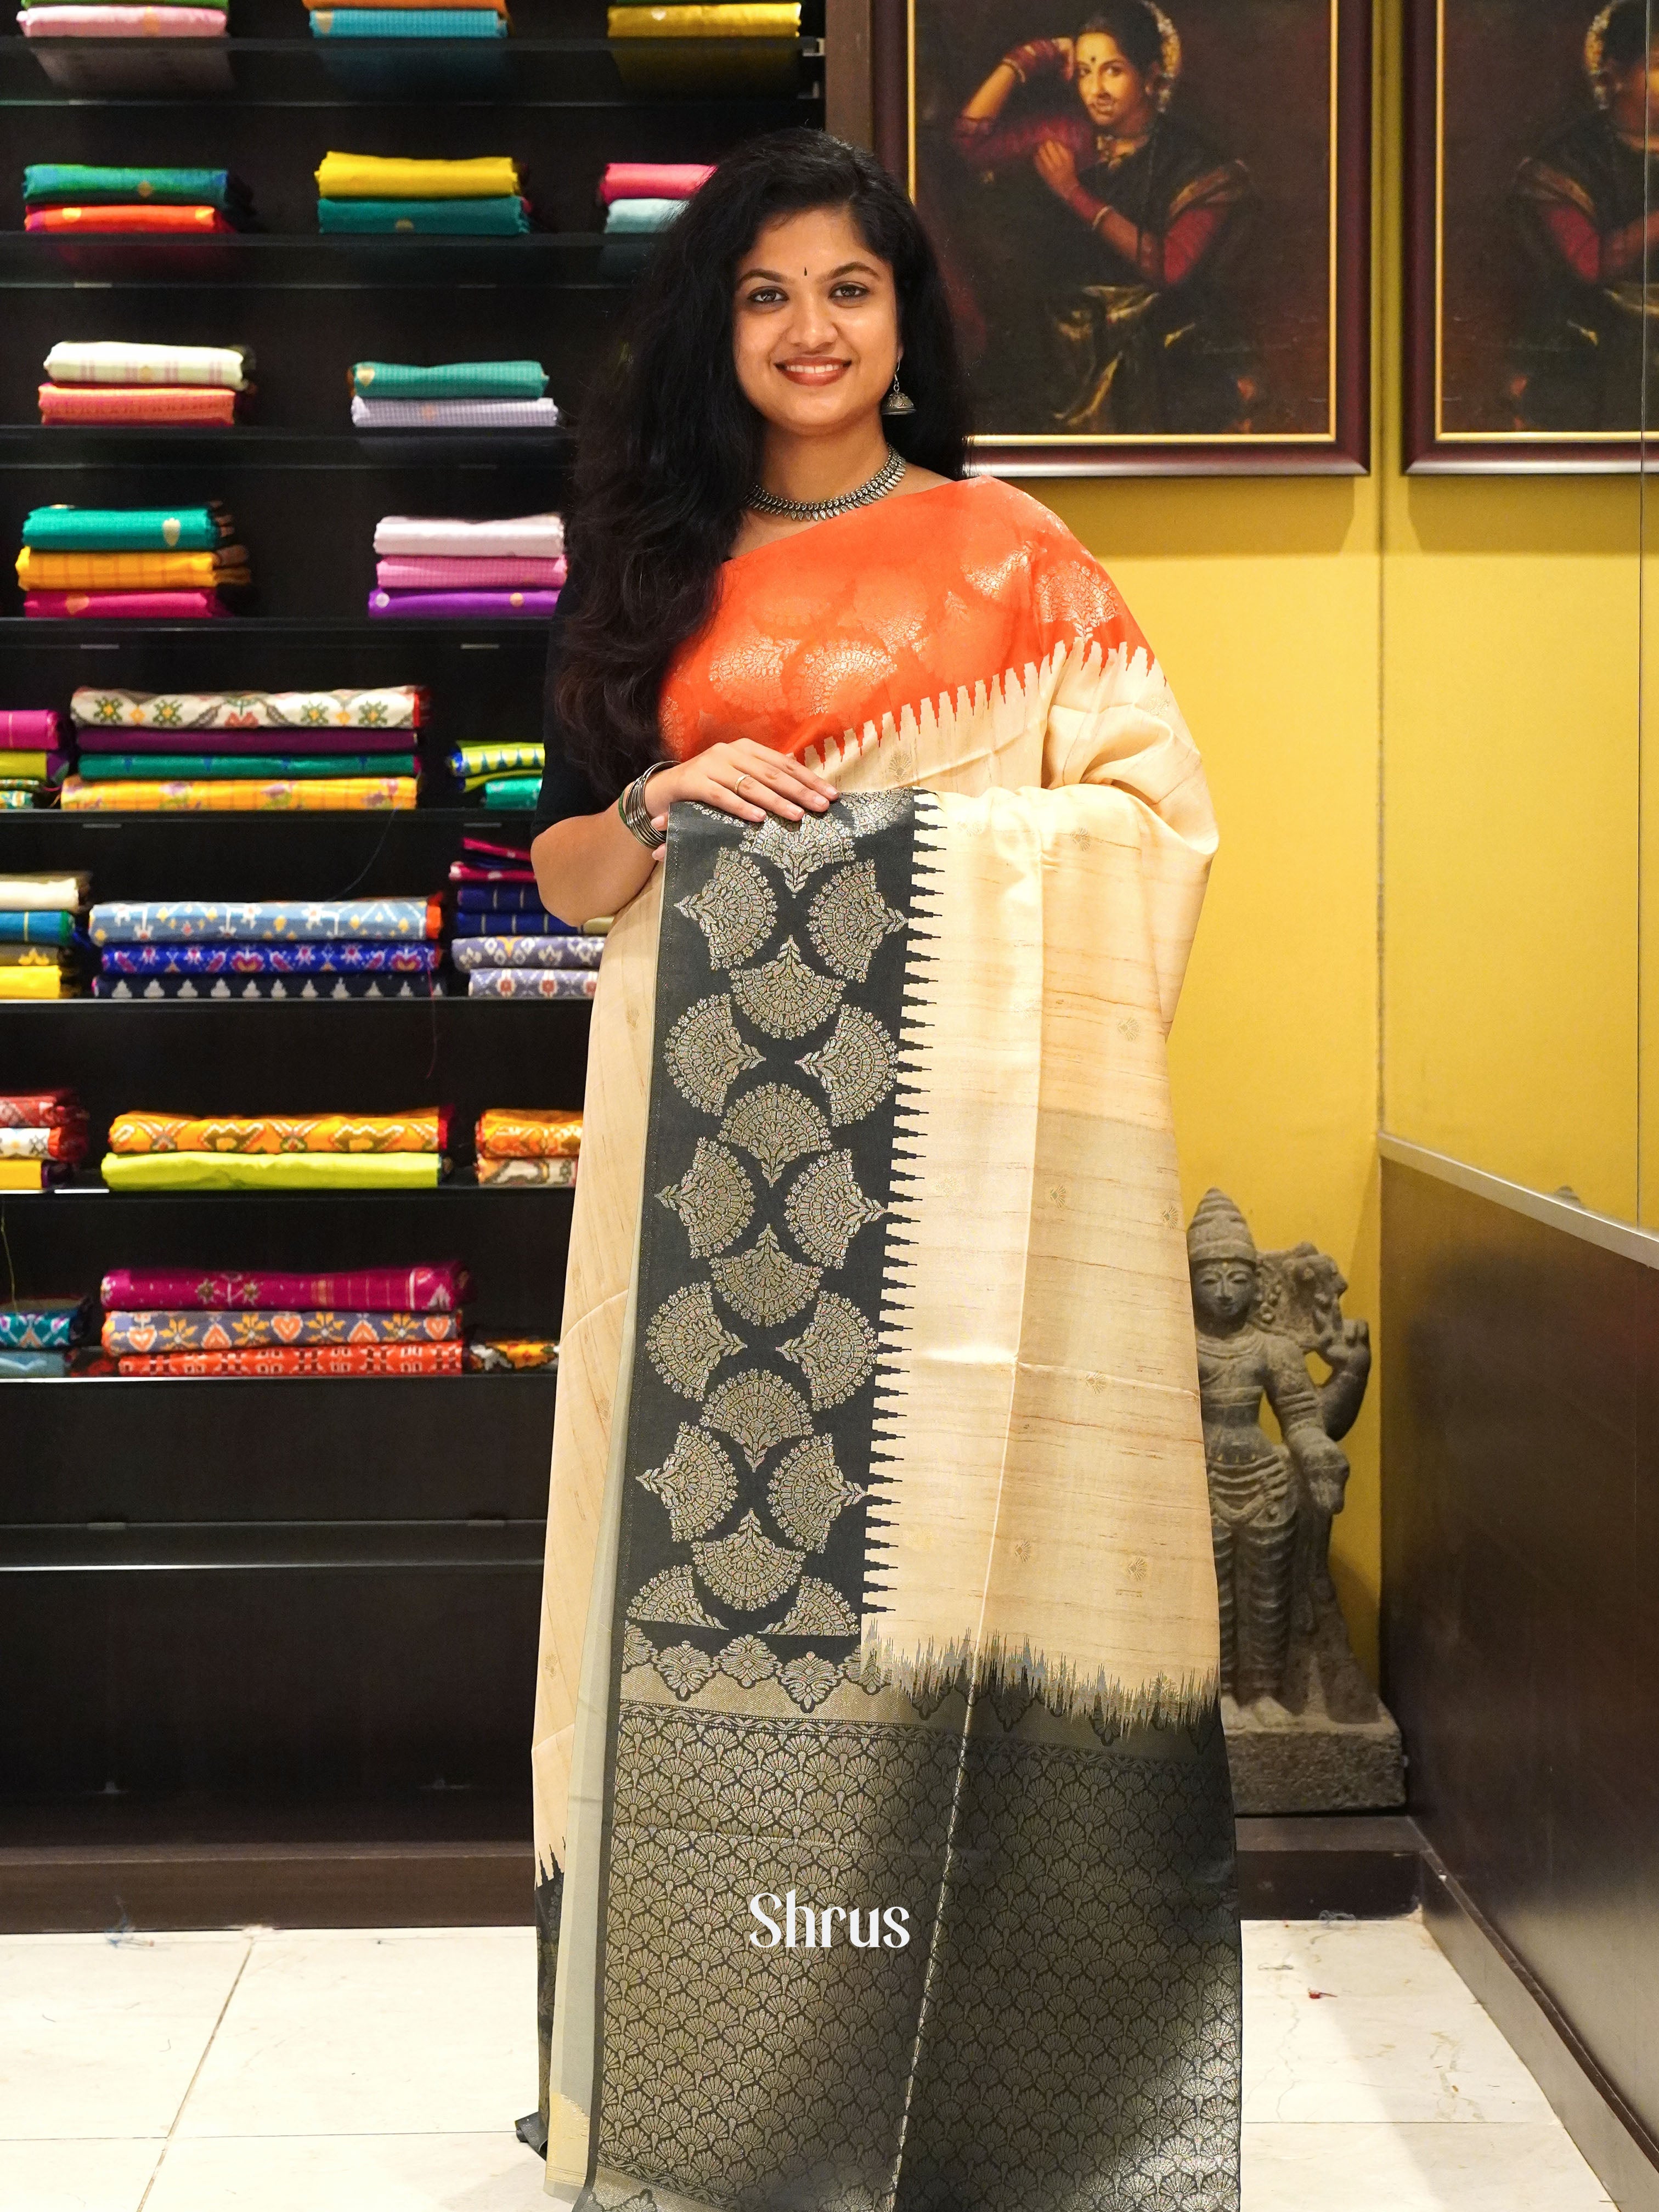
250, 446
297, 261
300, 70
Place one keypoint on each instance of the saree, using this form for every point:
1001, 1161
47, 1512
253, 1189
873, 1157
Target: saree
423, 1130
442, 1288
521, 380
270, 921
350, 794
883, 1822
125, 530
391, 707
306, 1359
168, 1330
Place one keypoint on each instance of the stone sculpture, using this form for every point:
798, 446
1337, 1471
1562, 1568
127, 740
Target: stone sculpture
1305, 1730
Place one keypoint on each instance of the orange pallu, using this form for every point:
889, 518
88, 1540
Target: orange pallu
423, 1131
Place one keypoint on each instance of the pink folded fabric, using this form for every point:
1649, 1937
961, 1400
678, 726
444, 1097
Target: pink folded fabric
114, 606
29, 729
433, 573
291, 744
439, 1288
102, 22
651, 180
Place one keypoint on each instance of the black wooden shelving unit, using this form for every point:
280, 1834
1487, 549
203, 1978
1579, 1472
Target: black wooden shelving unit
243, 1610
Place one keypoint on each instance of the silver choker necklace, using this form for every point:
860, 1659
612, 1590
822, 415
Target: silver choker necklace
763, 501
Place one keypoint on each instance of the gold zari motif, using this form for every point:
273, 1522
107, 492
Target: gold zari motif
835, 1351
817, 1610
746, 1569
847, 921
714, 1199
705, 1055
686, 1340
808, 1491
756, 1409
856, 1067
776, 1124
787, 997
797, 849
825, 1209
735, 910
697, 1482
671, 1596
763, 1283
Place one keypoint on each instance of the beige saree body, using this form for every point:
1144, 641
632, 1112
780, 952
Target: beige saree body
883, 1823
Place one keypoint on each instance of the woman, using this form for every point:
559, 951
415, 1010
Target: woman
1138, 209
1588, 213
881, 1806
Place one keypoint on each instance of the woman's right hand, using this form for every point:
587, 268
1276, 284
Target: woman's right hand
1037, 56
742, 778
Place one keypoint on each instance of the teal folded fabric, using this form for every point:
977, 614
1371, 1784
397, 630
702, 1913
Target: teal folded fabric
407, 23
121, 529
502, 218
634, 218
32, 1366
85, 185
37, 926
449, 380
163, 768
511, 791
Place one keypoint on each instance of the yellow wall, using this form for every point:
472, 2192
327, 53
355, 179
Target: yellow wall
1417, 699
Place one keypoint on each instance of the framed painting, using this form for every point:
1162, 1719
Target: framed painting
1154, 218
1529, 332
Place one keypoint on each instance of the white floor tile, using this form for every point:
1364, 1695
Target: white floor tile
100, 2039
396, 2032
1367, 2021
76, 2176
350, 2173
1521, 2167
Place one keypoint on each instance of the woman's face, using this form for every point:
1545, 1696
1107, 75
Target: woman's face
1113, 92
814, 324
1632, 95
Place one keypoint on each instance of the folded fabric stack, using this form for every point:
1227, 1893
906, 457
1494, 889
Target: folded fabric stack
111, 19
381, 948
643, 198
508, 775
477, 570
37, 1335
41, 944
455, 395
33, 758
528, 1145
73, 196
506, 943
260, 751
104, 381
368, 192
505, 1355
398, 19
43, 1136
141, 563
277, 1152
374, 1320
734, 19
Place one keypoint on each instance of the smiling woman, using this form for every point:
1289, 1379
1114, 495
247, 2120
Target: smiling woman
879, 1561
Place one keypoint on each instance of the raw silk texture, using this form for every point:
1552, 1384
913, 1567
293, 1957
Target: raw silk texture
879, 1561
435, 1289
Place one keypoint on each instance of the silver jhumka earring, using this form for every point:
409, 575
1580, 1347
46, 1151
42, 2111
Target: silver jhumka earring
898, 400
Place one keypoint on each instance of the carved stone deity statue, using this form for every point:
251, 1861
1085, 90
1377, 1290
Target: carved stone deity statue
1305, 1730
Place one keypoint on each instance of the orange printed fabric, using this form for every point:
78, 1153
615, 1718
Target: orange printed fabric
241, 1331
423, 1131
509, 1133
946, 602
316, 1359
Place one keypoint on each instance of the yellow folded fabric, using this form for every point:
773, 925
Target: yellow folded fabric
35, 983
22, 1175
23, 768
322, 794
375, 177
421, 1131
734, 19
272, 1170
132, 572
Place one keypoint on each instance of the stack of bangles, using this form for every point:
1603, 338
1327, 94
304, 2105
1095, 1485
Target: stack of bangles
635, 814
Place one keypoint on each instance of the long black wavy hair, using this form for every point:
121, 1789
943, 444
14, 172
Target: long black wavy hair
670, 447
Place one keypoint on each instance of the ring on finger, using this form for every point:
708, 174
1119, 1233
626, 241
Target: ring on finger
740, 782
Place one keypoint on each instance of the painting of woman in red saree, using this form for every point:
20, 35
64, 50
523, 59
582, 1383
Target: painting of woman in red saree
1135, 210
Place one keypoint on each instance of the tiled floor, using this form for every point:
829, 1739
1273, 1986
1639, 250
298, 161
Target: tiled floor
372, 2071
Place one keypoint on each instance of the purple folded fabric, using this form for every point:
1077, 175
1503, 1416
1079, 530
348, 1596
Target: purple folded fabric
29, 729
316, 957
461, 605
292, 743
439, 1288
